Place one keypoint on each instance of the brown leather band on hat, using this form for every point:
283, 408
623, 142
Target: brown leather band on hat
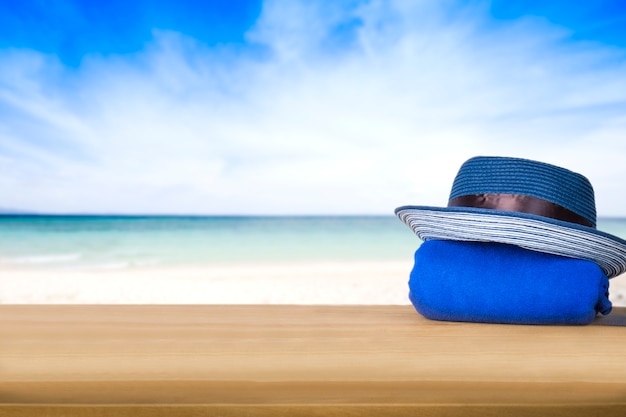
520, 203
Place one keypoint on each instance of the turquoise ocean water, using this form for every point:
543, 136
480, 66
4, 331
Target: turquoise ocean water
154, 241
144, 241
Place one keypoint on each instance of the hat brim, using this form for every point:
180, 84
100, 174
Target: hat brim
528, 231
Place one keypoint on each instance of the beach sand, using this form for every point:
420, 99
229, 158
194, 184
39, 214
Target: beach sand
352, 283
120, 360
280, 283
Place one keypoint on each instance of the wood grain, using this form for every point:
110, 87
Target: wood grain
301, 360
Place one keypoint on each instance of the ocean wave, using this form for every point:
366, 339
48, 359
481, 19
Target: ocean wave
45, 259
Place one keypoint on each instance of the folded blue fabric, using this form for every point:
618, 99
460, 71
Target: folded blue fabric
499, 283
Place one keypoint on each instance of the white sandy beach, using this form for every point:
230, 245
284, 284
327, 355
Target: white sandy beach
381, 283
283, 283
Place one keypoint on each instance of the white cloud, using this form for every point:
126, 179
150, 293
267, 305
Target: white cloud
312, 118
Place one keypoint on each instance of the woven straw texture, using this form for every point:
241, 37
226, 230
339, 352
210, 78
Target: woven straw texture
568, 189
521, 176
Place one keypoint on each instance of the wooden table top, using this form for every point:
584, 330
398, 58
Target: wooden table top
301, 360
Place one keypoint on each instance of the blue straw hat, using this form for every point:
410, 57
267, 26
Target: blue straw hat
516, 201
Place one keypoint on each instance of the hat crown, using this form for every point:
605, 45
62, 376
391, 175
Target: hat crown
502, 175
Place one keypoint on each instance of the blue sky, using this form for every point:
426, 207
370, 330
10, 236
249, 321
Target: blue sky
300, 107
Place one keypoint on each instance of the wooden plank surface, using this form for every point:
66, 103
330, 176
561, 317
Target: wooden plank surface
301, 360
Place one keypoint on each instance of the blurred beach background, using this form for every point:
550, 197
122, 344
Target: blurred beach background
252, 151
216, 260
194, 259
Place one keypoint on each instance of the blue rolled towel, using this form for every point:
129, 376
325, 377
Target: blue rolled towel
500, 283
